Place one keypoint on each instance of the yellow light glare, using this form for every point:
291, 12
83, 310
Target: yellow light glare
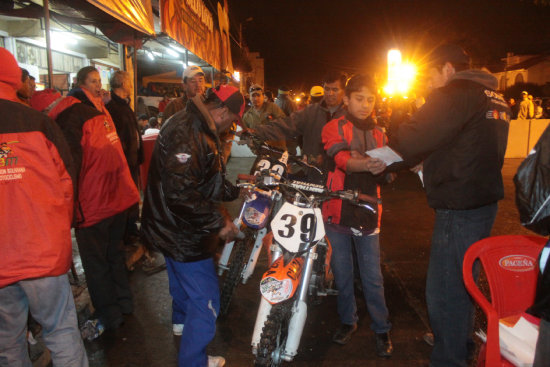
400, 75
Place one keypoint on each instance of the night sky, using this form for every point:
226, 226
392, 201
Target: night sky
301, 39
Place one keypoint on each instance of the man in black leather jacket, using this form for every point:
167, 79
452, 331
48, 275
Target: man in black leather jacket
183, 218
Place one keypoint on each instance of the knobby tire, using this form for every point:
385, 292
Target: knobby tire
273, 335
234, 273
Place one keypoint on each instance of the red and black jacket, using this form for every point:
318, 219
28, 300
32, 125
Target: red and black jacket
36, 192
105, 186
340, 137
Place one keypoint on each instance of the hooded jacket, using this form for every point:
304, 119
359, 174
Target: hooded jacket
460, 133
36, 192
181, 211
341, 137
105, 186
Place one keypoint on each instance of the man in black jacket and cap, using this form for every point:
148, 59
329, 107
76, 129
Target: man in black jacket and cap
460, 134
183, 218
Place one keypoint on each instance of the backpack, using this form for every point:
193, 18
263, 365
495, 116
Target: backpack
532, 182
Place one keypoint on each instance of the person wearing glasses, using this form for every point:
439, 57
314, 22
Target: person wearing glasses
261, 112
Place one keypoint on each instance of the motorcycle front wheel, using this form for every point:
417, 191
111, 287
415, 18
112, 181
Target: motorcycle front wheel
234, 274
273, 337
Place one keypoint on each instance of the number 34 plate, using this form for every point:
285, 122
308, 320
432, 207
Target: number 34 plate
293, 226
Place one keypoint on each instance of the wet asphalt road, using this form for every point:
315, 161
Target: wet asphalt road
146, 337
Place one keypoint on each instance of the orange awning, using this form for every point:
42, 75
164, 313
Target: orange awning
137, 14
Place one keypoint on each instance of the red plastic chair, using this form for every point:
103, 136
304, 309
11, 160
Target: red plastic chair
148, 146
511, 267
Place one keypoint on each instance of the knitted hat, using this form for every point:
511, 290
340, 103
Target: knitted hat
10, 73
229, 96
42, 99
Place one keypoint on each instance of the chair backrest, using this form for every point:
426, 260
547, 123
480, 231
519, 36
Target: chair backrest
511, 267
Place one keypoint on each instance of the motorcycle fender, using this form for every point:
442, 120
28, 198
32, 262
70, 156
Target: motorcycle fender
280, 282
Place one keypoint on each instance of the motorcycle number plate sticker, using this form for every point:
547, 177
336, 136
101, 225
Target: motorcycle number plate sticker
293, 226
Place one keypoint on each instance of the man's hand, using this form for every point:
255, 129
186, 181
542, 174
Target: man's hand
229, 231
374, 165
419, 167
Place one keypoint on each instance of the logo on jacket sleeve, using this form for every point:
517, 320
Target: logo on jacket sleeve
183, 157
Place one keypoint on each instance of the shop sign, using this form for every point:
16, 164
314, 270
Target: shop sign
191, 24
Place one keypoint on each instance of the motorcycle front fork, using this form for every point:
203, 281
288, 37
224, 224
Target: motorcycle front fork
298, 312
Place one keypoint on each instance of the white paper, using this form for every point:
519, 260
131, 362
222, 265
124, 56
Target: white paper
385, 154
517, 343
421, 176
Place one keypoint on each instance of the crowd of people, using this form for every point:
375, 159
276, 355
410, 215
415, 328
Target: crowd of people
74, 163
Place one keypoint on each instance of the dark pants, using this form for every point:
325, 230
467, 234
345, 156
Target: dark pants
450, 308
368, 259
194, 288
542, 353
103, 260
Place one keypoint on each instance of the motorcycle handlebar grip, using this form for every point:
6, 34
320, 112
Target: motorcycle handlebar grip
245, 177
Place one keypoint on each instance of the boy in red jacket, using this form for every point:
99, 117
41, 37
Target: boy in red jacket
346, 141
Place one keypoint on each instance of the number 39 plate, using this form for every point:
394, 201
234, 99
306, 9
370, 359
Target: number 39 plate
293, 226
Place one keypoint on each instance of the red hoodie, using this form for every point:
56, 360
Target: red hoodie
105, 186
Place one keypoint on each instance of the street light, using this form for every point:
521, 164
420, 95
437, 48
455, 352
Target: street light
400, 75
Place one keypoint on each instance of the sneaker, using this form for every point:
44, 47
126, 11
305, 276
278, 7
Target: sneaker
216, 361
384, 346
177, 329
343, 335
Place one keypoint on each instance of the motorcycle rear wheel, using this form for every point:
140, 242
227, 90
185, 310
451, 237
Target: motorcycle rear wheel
273, 337
234, 274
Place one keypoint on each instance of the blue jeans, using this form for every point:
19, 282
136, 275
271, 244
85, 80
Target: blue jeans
194, 287
51, 303
450, 308
368, 259
542, 353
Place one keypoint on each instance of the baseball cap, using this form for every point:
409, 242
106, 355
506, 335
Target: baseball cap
317, 91
284, 90
449, 52
191, 71
10, 73
255, 88
229, 96
524, 92
42, 99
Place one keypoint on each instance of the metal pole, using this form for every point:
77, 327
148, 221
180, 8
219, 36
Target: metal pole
134, 63
48, 42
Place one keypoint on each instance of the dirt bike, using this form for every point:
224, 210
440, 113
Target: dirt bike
297, 271
254, 214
